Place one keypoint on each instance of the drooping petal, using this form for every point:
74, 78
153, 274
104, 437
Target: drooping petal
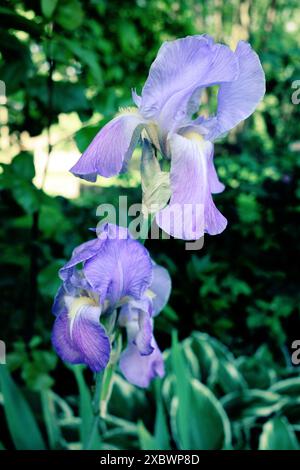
180, 68
91, 339
215, 184
191, 211
239, 98
81, 340
62, 342
111, 149
123, 268
160, 288
138, 369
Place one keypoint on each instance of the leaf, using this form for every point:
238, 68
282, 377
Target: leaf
86, 412
69, 14
161, 430
48, 279
252, 404
290, 387
49, 412
22, 425
277, 434
198, 418
208, 424
48, 7
23, 166
147, 441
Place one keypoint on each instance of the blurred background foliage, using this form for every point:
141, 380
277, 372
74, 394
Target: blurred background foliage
68, 65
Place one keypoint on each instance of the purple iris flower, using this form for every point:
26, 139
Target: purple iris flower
170, 97
111, 278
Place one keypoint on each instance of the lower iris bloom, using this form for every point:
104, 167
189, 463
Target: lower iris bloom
111, 282
170, 97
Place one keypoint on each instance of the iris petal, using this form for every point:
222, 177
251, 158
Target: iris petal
122, 269
191, 211
181, 68
138, 369
160, 288
111, 149
81, 340
238, 99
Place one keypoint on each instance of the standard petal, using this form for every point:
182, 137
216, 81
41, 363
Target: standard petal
81, 253
191, 211
111, 149
138, 369
180, 68
160, 288
123, 268
239, 98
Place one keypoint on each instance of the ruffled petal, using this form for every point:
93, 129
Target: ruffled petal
160, 288
239, 98
138, 369
181, 68
191, 211
123, 268
111, 149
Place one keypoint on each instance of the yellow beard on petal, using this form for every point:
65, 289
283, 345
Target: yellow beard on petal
79, 302
127, 110
193, 136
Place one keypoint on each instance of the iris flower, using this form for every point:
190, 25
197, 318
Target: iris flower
111, 280
170, 98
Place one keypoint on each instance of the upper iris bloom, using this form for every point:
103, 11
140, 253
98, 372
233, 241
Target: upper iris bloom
165, 109
111, 282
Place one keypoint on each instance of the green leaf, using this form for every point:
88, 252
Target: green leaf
198, 419
48, 279
277, 434
252, 404
86, 411
69, 14
48, 7
209, 427
22, 425
49, 413
23, 166
147, 441
290, 387
161, 430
